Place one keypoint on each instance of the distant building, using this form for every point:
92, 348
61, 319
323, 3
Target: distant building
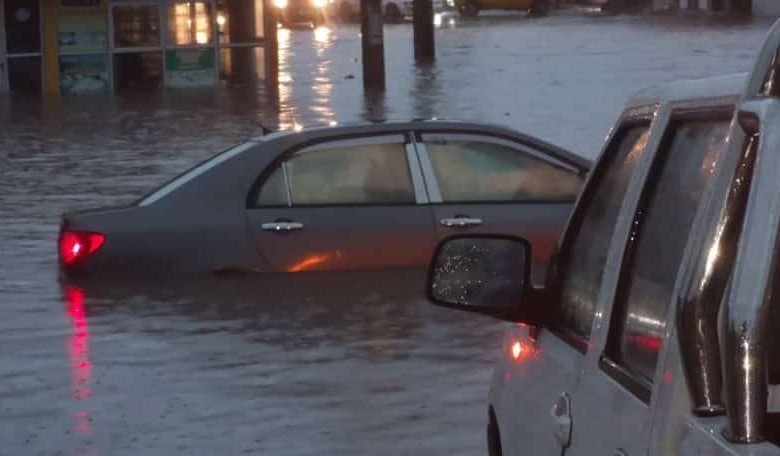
80, 46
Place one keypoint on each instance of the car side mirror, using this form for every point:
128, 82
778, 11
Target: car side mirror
484, 274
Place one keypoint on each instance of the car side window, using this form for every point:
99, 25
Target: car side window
366, 174
475, 171
680, 174
585, 252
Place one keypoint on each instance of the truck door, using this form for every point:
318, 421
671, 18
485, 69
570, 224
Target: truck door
535, 371
610, 404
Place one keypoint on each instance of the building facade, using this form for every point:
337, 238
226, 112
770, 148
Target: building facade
87, 46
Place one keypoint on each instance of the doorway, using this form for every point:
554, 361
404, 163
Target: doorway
21, 69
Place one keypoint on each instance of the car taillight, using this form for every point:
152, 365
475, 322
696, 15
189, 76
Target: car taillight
75, 246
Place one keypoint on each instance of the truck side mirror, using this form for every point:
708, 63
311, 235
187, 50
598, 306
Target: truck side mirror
483, 274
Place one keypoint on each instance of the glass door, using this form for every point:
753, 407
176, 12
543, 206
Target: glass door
136, 45
22, 71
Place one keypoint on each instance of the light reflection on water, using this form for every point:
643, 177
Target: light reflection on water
78, 357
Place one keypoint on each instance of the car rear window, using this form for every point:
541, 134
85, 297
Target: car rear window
194, 172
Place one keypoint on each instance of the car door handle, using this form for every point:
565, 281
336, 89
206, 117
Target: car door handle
282, 226
461, 221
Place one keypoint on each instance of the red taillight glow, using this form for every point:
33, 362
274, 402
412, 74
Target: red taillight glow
517, 350
77, 245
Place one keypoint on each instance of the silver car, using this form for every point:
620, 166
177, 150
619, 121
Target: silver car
622, 351
333, 199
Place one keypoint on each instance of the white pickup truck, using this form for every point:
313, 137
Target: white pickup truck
658, 329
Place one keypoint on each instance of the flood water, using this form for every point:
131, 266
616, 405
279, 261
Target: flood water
296, 364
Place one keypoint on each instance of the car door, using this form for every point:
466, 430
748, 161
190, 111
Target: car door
525, 388
484, 184
346, 204
610, 404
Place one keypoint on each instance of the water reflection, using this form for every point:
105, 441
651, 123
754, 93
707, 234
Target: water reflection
312, 101
78, 343
78, 356
287, 112
323, 79
322, 37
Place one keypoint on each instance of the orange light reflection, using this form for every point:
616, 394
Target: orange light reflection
312, 261
522, 350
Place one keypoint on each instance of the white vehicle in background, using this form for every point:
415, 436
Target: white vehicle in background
394, 10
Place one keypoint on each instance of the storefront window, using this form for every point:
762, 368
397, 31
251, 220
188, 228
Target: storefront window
136, 26
24, 75
83, 73
189, 23
138, 70
240, 21
242, 64
82, 33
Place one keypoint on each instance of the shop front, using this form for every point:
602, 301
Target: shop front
21, 59
88, 46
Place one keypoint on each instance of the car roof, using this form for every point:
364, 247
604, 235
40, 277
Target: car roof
317, 133
729, 86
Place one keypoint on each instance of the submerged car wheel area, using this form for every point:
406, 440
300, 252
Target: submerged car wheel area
622, 351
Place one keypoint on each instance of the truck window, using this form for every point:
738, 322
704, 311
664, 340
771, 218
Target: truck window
662, 223
585, 253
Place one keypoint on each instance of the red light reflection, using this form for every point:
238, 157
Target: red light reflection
78, 343
78, 355
649, 343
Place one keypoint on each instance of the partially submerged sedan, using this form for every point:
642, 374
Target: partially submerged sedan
333, 199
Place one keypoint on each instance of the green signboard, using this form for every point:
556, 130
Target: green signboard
190, 67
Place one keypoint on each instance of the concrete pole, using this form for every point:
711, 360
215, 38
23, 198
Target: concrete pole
271, 50
372, 40
424, 45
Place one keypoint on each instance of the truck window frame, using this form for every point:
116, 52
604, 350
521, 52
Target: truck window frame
631, 382
642, 117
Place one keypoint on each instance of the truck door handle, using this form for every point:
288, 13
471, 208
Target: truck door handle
282, 226
461, 221
561, 415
